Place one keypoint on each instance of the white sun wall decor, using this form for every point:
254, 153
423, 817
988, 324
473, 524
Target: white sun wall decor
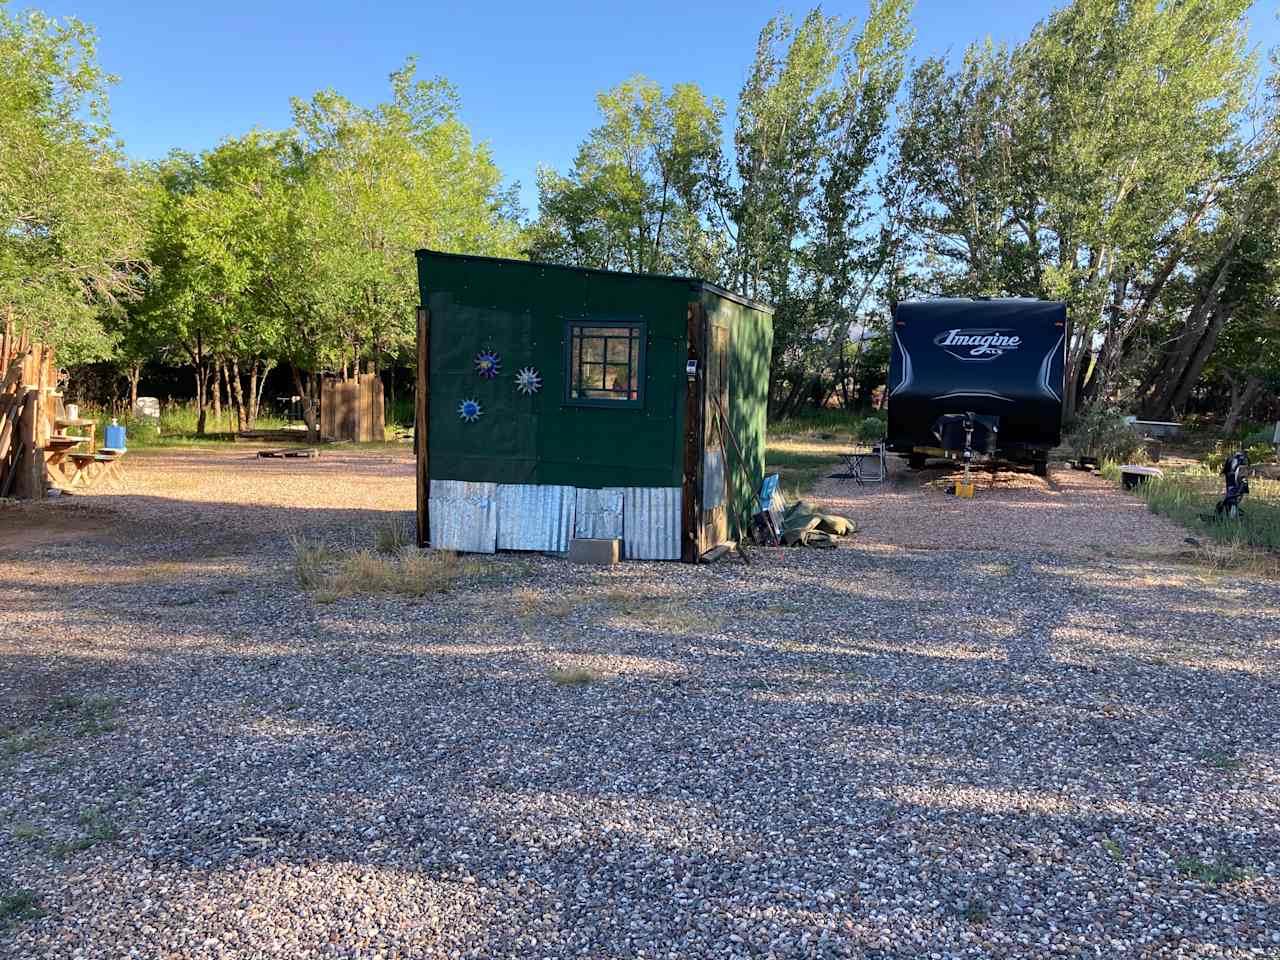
528, 381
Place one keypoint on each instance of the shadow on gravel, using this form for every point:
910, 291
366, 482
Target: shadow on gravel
891, 753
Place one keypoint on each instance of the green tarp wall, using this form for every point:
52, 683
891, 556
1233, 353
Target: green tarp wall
750, 344
519, 310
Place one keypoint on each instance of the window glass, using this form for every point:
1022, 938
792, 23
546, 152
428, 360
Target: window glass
606, 364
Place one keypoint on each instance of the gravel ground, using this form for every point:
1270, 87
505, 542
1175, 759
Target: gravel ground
1069, 512
1022, 750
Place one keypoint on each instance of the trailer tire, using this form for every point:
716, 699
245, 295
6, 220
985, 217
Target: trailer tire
1040, 468
917, 461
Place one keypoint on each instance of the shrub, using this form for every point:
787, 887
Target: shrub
1257, 453
1261, 453
392, 537
871, 430
309, 561
1102, 433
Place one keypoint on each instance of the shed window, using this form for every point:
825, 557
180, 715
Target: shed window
606, 364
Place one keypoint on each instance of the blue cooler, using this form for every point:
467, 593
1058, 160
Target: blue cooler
114, 439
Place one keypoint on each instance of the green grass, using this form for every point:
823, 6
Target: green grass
1223, 761
19, 905
26, 830
798, 470
805, 448
14, 744
1215, 874
177, 427
98, 828
94, 715
1188, 495
821, 421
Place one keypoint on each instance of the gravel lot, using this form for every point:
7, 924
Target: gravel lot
901, 748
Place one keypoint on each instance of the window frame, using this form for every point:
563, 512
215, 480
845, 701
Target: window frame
640, 332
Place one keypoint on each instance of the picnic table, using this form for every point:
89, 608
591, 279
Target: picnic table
79, 468
78, 423
56, 450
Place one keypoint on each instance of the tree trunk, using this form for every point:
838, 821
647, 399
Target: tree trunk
135, 374
237, 394
202, 396
218, 380
308, 403
260, 371
1198, 359
1241, 402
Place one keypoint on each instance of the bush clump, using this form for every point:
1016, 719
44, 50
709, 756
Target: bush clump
871, 430
1261, 453
1101, 432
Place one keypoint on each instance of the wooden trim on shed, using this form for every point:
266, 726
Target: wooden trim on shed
691, 512
421, 409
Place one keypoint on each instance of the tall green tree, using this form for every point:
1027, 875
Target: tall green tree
809, 217
1082, 164
638, 195
378, 183
71, 218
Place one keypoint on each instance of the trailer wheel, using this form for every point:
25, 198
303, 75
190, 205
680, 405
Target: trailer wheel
917, 461
1040, 468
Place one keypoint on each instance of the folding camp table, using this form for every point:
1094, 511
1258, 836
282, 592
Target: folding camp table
864, 466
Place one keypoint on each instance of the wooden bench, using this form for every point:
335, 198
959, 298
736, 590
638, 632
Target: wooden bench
92, 467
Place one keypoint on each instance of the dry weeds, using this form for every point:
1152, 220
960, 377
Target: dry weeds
660, 613
571, 676
409, 572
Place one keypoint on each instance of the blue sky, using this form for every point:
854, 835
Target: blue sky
191, 74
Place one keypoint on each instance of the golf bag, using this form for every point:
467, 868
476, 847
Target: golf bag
1234, 470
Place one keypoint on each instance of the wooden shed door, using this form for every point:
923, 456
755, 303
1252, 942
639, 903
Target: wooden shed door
716, 460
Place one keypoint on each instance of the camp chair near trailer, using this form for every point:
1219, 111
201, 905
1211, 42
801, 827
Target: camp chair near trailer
864, 466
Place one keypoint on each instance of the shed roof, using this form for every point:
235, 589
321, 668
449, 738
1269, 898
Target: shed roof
693, 281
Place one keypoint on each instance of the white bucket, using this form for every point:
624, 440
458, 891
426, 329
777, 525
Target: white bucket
73, 412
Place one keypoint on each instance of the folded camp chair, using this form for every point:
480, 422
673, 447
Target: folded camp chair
864, 466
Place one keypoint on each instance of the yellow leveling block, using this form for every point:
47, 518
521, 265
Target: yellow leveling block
965, 490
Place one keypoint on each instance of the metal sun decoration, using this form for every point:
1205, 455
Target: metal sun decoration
469, 411
488, 363
528, 381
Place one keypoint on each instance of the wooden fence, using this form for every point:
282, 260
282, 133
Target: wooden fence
352, 409
28, 395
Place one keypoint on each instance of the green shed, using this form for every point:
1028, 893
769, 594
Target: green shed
557, 403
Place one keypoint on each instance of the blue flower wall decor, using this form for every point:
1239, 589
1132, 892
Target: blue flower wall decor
469, 410
488, 364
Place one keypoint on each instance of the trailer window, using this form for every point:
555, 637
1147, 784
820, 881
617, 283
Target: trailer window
605, 364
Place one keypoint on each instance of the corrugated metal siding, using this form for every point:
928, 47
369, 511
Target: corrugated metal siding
651, 523
713, 485
534, 517
464, 516
598, 514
